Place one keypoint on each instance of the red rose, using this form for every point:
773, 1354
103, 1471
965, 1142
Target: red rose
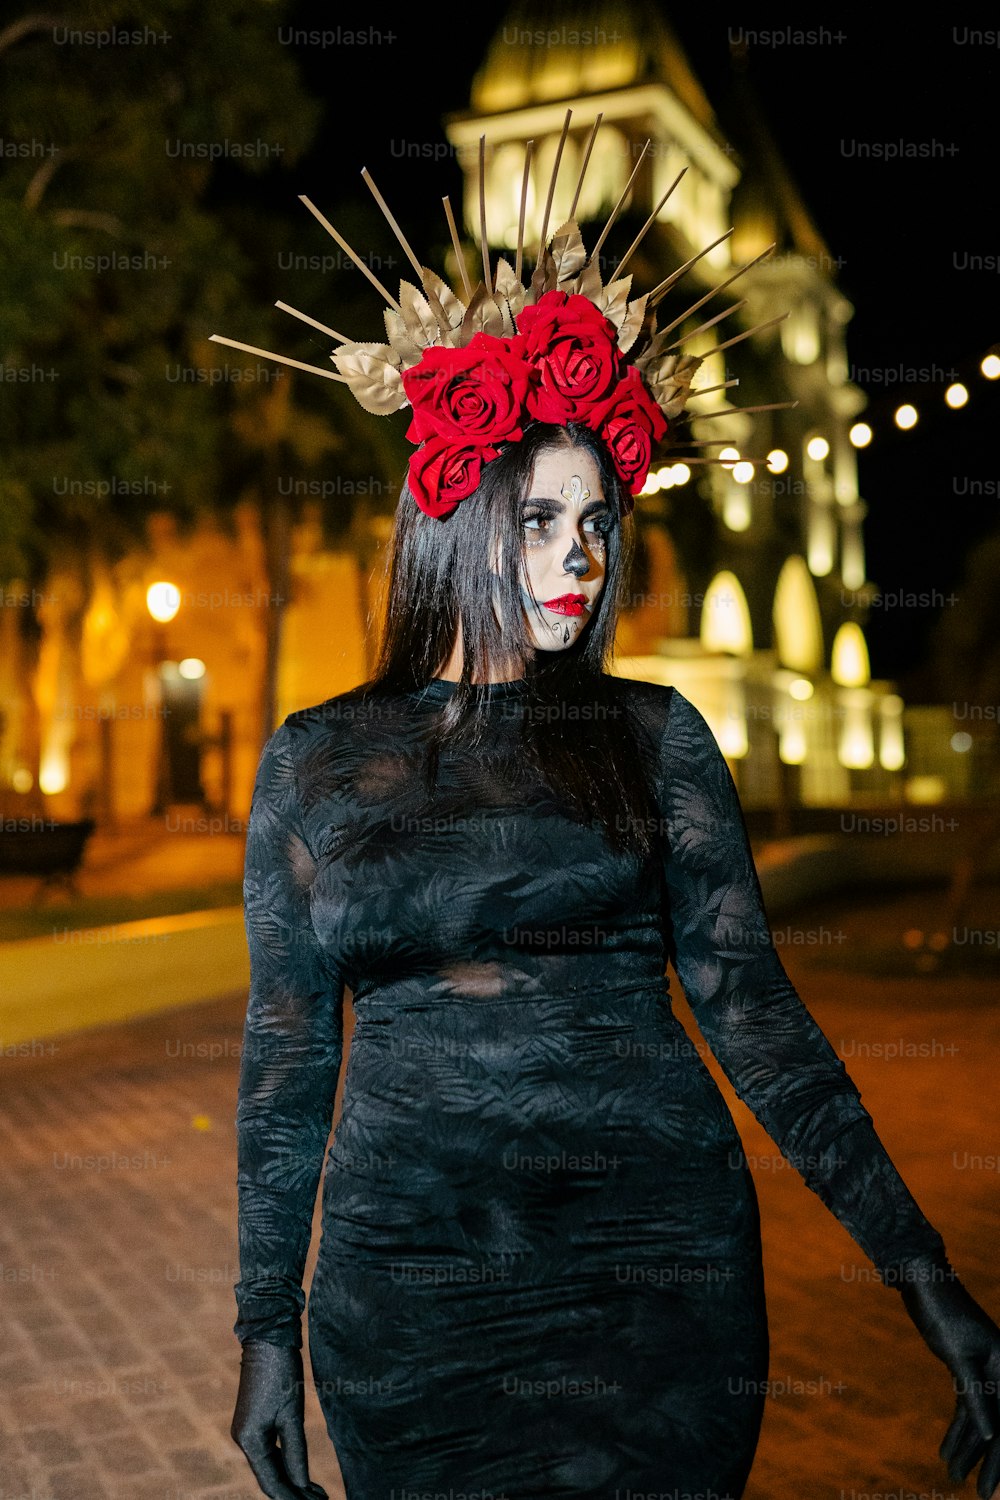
441, 473
573, 352
630, 423
471, 396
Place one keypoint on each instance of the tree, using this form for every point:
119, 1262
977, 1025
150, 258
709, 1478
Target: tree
128, 235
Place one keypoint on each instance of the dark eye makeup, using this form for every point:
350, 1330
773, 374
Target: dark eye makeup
541, 510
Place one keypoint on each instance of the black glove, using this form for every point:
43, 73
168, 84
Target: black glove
270, 1404
956, 1329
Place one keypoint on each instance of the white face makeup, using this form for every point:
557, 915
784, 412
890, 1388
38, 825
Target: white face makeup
564, 524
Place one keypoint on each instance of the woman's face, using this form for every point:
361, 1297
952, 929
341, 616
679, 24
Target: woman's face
564, 524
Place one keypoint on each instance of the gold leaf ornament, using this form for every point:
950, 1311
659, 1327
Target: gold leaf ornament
399, 337
509, 295
631, 326
482, 316
568, 254
588, 284
421, 324
613, 300
373, 373
671, 385
447, 307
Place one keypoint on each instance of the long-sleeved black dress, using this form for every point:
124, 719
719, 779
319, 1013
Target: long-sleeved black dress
539, 1271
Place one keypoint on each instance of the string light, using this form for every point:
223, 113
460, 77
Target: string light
956, 396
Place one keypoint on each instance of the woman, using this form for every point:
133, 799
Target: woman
539, 1271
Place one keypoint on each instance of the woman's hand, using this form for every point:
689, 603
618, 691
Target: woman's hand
270, 1404
959, 1331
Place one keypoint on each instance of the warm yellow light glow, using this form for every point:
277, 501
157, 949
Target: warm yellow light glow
191, 667
22, 779
801, 689
730, 725
665, 476
736, 510
792, 741
849, 664
163, 600
798, 628
852, 555
732, 736
800, 334
820, 539
961, 741
53, 773
891, 750
860, 434
926, 789
681, 473
818, 448
991, 367
743, 472
856, 749
652, 483
906, 417
777, 460
956, 396
725, 616
728, 457
856, 741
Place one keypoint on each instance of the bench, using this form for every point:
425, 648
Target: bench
53, 851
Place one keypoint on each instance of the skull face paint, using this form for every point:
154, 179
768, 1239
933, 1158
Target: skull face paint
564, 524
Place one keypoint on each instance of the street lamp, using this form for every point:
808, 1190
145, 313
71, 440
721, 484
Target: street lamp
163, 600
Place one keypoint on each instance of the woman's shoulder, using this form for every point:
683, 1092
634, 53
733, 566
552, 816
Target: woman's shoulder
364, 705
650, 702
677, 730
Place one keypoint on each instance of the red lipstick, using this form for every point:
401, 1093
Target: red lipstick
567, 604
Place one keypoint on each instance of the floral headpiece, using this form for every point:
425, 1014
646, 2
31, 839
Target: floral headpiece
475, 371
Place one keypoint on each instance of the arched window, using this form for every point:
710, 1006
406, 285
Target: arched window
849, 665
798, 628
725, 617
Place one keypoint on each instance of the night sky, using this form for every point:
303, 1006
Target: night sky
889, 133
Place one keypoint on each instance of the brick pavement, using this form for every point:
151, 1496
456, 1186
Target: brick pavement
117, 1360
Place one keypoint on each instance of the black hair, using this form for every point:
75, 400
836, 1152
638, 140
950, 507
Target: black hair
577, 730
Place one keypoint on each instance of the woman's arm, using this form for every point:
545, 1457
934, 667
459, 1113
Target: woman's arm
784, 1069
292, 1047
780, 1063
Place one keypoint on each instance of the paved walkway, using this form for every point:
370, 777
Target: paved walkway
118, 1246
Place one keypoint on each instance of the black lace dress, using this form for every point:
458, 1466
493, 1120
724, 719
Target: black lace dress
539, 1272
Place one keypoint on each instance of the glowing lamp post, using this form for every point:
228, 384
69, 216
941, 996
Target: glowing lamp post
163, 600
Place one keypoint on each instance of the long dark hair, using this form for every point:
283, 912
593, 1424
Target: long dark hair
577, 730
